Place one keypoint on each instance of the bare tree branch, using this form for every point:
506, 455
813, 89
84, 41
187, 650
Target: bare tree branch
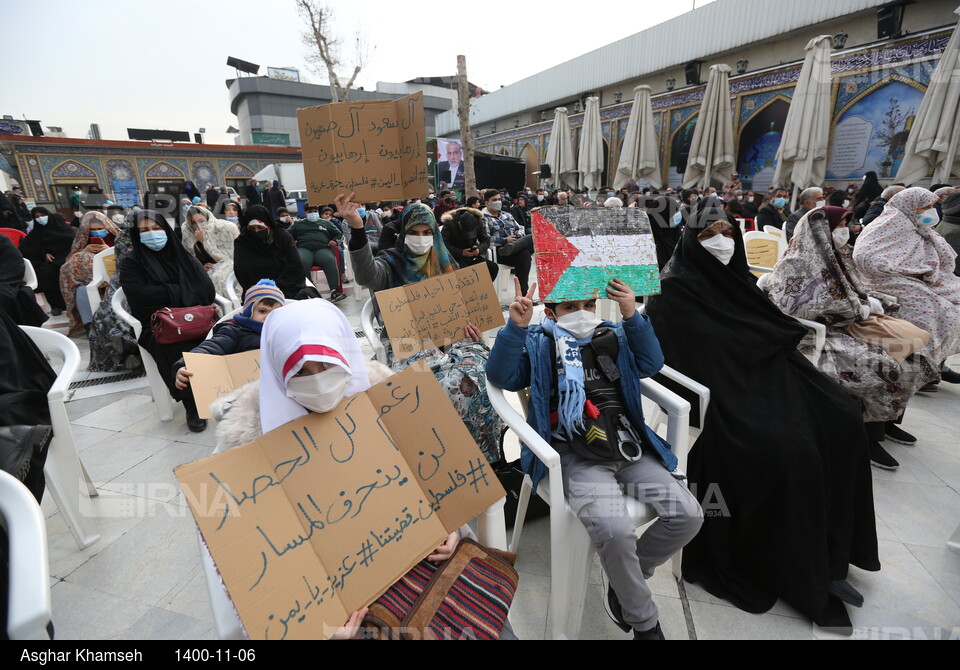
324, 45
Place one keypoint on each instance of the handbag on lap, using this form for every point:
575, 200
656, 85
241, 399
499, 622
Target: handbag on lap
897, 337
465, 598
171, 325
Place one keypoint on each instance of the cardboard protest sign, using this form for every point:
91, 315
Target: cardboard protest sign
434, 312
579, 251
375, 147
317, 518
216, 376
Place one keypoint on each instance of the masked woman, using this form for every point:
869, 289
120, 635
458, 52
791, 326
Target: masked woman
47, 247
418, 255
900, 254
816, 280
265, 251
160, 273
211, 242
113, 346
96, 233
781, 466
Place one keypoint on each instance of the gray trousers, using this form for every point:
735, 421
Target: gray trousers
597, 491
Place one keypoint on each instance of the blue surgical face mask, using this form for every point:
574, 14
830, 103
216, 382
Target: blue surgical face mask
313, 217
362, 212
233, 219
677, 220
99, 233
154, 239
42, 220
780, 203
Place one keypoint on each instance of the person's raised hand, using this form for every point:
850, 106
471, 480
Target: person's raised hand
521, 309
624, 296
347, 209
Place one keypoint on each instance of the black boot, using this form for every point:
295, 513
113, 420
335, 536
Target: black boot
654, 633
949, 375
194, 422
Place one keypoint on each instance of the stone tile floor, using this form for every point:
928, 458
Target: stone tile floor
142, 579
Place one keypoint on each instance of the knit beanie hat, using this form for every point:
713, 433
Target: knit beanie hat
265, 288
951, 206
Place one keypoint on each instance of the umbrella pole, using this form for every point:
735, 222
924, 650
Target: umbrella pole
793, 199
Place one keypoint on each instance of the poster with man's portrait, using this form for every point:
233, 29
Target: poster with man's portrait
451, 172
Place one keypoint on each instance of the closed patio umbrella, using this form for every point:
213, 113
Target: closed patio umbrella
711, 152
802, 156
640, 155
560, 151
590, 160
934, 140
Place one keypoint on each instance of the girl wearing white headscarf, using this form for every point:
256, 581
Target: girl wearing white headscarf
309, 361
901, 255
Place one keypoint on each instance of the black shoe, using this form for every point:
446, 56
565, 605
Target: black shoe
880, 458
194, 422
949, 375
55, 311
897, 434
654, 633
612, 606
337, 296
841, 589
929, 388
834, 618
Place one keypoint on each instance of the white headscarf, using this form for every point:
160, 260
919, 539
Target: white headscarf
308, 330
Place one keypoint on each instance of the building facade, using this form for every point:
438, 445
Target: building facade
49, 168
878, 86
266, 109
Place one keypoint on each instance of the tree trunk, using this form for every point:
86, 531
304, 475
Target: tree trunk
466, 135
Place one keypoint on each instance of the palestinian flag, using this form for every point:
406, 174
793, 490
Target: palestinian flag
579, 251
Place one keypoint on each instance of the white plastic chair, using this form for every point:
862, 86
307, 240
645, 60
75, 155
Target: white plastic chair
29, 609
954, 542
67, 478
29, 274
761, 247
571, 551
159, 390
773, 230
232, 295
504, 278
743, 226
226, 317
100, 276
368, 324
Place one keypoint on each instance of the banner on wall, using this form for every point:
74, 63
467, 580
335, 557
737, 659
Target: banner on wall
871, 135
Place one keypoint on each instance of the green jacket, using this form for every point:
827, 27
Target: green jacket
315, 236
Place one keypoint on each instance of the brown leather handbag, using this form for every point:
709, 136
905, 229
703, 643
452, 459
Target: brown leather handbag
171, 325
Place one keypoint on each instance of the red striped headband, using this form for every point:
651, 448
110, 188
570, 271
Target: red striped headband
311, 350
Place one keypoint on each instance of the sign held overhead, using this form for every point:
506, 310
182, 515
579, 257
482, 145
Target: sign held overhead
580, 251
376, 148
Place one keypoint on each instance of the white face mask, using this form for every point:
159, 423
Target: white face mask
579, 324
841, 236
117, 218
417, 245
928, 219
320, 392
721, 247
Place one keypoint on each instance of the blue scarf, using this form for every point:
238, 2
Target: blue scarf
571, 393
